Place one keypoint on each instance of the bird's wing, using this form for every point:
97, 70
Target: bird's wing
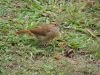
42, 31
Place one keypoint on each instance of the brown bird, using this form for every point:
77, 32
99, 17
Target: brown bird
44, 33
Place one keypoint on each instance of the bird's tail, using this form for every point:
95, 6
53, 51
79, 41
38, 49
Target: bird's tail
24, 31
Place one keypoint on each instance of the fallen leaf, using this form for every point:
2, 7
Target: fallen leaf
57, 56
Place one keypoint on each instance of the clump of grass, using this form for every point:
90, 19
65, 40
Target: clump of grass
19, 54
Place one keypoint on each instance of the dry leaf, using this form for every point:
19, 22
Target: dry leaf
69, 53
57, 56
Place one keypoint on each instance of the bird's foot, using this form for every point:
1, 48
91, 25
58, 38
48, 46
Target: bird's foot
44, 45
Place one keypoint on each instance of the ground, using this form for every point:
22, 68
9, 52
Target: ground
80, 35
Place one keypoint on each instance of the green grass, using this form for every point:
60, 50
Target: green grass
21, 54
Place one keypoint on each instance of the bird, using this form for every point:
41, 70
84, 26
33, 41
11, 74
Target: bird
44, 33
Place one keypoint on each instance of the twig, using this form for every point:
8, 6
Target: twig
92, 34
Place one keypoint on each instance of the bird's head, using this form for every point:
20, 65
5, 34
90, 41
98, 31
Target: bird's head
57, 22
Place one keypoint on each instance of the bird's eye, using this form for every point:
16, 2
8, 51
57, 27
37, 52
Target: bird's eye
55, 24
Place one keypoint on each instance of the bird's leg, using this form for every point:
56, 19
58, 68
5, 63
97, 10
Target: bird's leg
43, 44
53, 45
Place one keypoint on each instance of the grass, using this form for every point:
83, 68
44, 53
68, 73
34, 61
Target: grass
21, 55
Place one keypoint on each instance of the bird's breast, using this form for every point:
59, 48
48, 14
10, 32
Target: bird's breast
55, 30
